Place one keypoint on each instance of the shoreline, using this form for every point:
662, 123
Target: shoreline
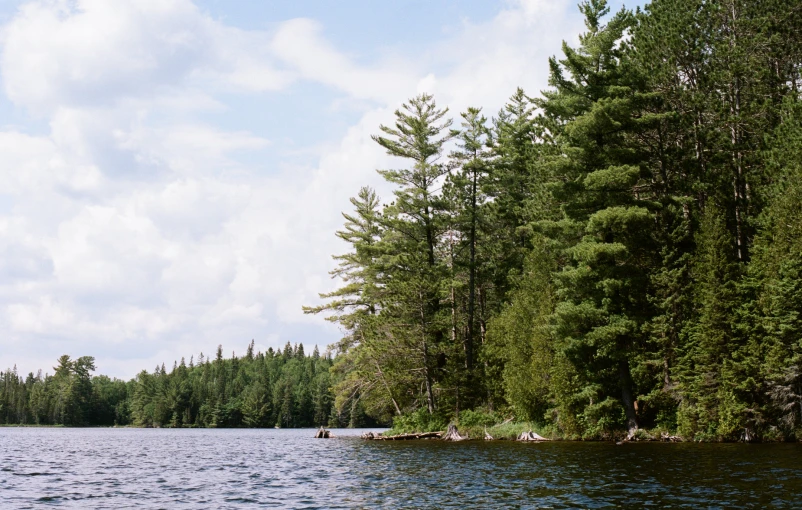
509, 432
513, 430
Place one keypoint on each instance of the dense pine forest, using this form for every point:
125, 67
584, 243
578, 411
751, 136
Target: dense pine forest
273, 389
619, 253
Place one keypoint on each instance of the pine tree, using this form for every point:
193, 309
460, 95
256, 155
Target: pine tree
603, 285
413, 223
467, 186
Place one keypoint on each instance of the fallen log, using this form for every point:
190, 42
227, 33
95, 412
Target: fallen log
405, 437
401, 437
427, 435
452, 434
531, 436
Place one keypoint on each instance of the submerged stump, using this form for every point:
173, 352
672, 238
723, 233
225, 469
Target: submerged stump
323, 434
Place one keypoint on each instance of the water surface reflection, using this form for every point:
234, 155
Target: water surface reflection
147, 468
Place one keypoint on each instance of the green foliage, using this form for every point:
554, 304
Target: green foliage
287, 389
520, 339
418, 421
706, 358
602, 419
478, 418
617, 253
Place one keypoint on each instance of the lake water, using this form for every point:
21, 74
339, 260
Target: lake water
149, 468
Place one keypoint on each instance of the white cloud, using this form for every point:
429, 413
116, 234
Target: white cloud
60, 53
300, 44
486, 62
139, 230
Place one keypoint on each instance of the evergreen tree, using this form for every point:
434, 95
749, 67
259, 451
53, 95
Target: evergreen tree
413, 268
471, 160
602, 291
711, 340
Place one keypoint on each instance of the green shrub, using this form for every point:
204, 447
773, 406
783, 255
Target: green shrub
478, 418
418, 421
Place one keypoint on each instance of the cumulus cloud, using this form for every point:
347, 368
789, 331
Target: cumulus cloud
137, 229
60, 53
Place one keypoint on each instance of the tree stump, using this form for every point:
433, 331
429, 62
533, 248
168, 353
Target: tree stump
452, 434
531, 436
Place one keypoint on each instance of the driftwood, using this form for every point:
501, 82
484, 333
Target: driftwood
531, 436
452, 434
401, 437
323, 434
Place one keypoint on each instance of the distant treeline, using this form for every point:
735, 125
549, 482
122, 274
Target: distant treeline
278, 388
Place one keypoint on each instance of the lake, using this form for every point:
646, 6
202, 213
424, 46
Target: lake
194, 468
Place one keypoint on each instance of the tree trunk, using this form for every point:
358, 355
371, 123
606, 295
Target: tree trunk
387, 387
625, 380
471, 279
428, 378
429, 235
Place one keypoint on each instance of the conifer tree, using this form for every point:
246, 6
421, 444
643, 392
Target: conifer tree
603, 285
413, 223
469, 187
775, 281
711, 340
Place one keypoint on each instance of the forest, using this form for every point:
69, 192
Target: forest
617, 254
272, 389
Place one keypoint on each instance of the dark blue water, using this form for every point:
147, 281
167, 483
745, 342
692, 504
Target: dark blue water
146, 468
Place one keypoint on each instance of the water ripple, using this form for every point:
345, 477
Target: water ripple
136, 468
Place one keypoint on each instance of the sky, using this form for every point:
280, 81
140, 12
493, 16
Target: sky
173, 171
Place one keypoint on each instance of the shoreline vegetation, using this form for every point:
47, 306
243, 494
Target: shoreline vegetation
512, 431
617, 257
